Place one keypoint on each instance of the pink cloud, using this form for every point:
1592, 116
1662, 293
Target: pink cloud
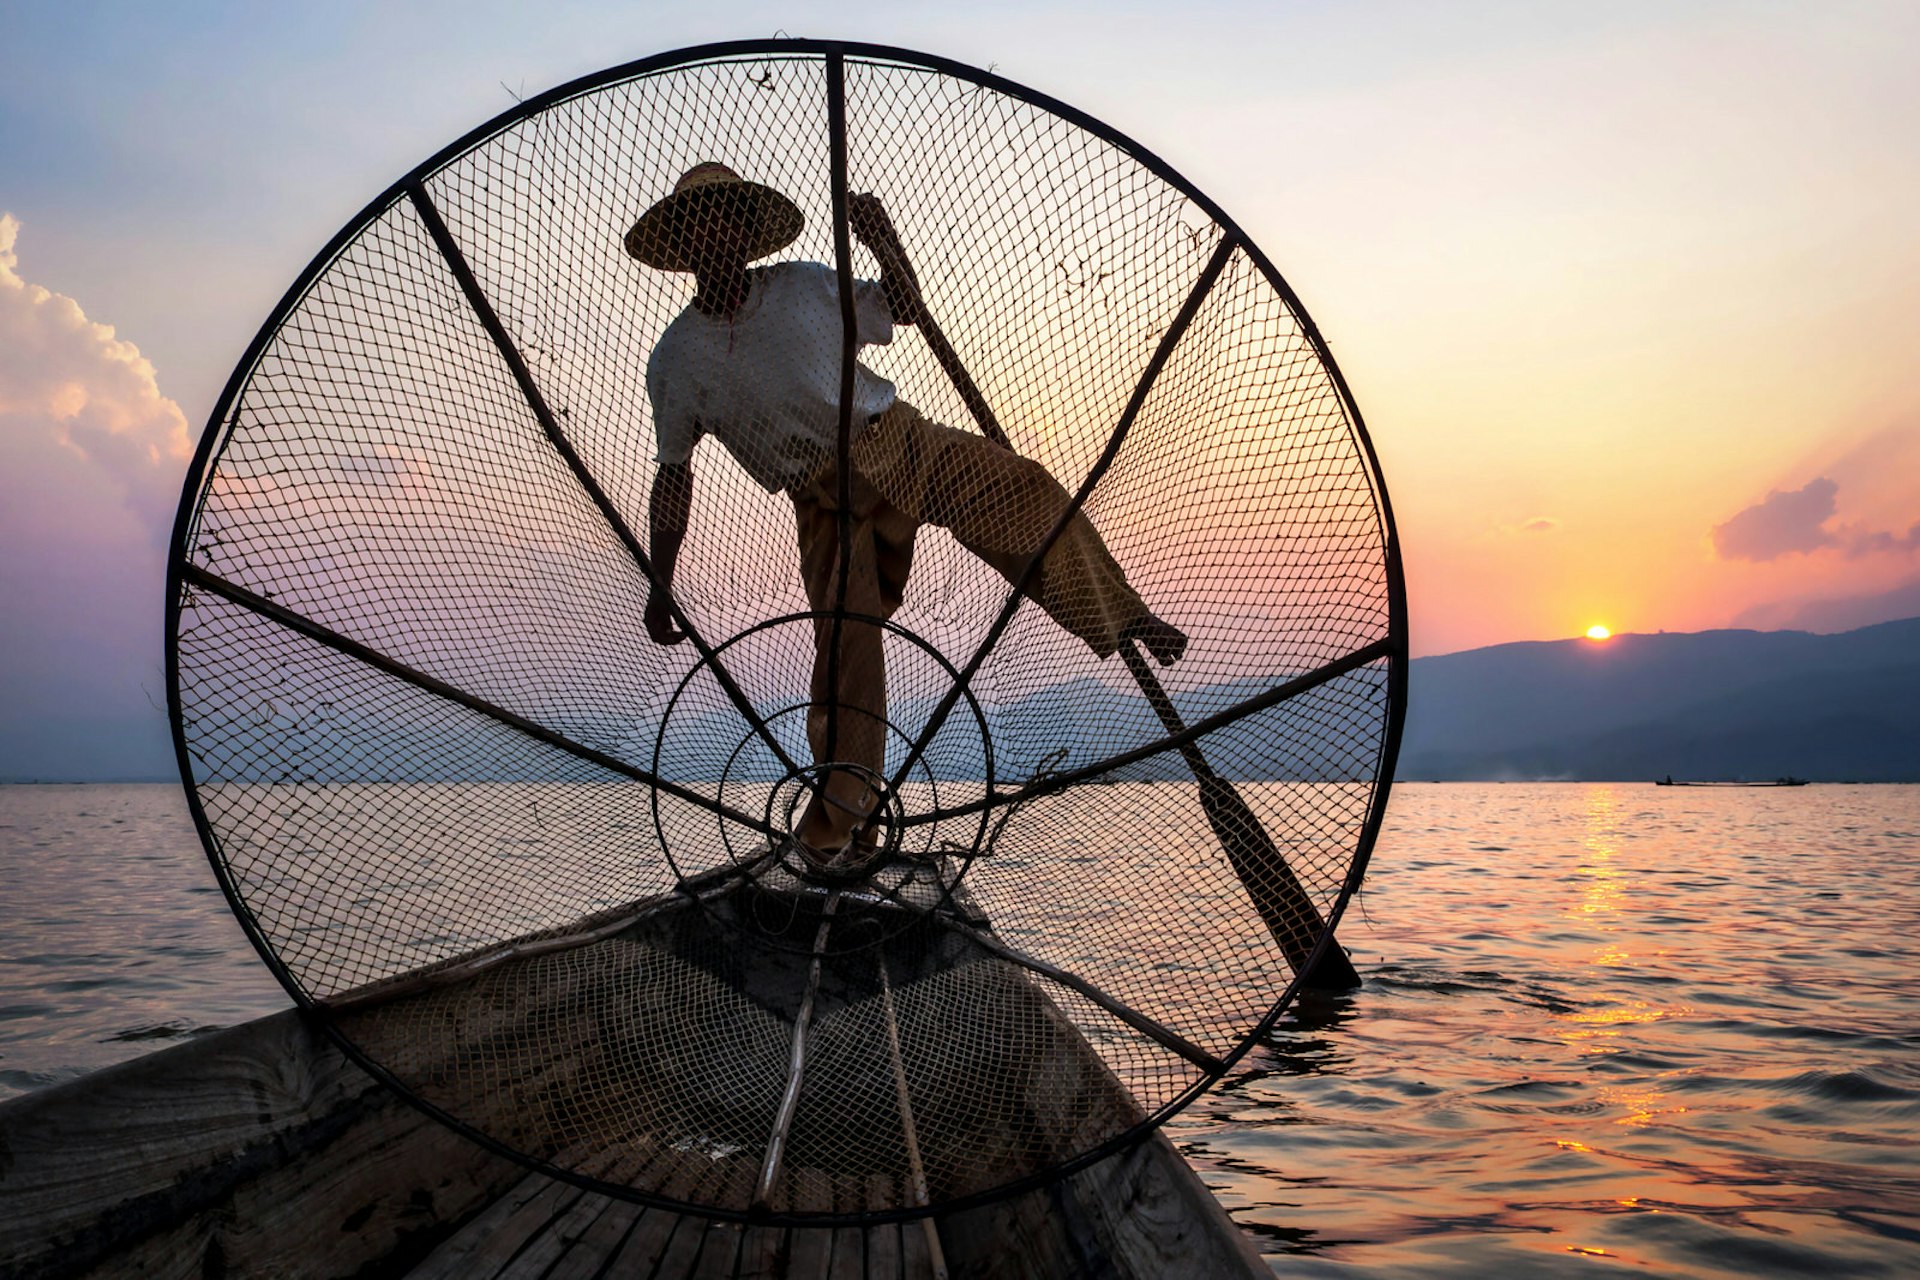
1873, 542
1782, 523
1797, 521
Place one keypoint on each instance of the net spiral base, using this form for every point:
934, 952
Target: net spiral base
543, 874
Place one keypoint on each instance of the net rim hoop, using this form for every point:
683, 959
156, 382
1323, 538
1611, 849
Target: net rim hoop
213, 436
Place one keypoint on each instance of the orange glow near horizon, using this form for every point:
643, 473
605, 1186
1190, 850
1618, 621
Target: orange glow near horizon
1598, 632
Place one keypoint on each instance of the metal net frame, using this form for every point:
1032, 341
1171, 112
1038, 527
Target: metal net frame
534, 871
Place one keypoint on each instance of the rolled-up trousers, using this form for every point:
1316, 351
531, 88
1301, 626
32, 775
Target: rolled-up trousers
908, 471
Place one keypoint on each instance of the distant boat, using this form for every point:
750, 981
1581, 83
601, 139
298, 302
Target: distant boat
1777, 782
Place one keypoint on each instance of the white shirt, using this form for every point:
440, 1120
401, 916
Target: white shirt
766, 380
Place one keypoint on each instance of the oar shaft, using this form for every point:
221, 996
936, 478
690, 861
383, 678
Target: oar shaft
1279, 897
893, 262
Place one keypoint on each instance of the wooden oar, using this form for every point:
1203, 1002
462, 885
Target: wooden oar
1277, 893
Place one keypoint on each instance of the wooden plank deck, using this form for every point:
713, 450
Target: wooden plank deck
238, 1152
1133, 1215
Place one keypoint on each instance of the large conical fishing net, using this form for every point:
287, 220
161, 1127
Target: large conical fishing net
536, 869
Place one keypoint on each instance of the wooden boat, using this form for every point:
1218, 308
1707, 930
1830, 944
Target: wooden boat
263, 1150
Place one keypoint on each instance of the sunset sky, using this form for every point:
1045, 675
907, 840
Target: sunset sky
1629, 293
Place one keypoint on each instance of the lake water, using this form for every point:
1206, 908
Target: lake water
1603, 1027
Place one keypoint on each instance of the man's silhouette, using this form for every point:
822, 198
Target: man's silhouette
755, 360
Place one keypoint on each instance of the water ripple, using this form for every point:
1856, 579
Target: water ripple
1600, 1024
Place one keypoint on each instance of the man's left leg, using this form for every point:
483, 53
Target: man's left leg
854, 731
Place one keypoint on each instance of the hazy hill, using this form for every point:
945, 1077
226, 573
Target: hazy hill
1710, 704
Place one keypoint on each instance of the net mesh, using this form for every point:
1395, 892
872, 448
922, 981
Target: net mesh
559, 881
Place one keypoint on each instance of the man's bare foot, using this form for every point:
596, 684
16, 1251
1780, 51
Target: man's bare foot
1161, 638
844, 863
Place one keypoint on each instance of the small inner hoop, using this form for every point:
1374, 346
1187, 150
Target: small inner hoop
875, 842
915, 853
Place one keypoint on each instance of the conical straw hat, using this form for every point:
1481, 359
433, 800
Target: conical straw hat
668, 235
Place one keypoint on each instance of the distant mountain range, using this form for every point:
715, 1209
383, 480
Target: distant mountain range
1702, 705
1706, 705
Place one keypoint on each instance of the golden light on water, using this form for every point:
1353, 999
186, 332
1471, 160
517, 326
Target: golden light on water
1598, 632
1601, 899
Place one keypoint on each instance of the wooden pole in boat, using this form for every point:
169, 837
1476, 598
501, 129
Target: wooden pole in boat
936, 1255
1277, 893
776, 1153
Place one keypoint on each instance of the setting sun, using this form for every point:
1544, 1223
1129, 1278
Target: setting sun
1598, 632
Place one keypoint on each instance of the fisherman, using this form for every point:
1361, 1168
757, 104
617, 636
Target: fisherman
755, 360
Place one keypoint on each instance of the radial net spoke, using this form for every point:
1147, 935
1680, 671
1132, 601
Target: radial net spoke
797, 1063
1168, 341
421, 680
1152, 1028
1052, 782
1185, 888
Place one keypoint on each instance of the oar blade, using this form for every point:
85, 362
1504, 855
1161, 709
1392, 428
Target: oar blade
1277, 893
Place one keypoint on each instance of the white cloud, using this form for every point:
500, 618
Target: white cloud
91, 459
71, 382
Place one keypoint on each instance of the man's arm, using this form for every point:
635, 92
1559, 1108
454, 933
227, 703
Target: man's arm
868, 220
667, 511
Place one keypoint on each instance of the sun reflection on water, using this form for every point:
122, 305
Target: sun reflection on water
1601, 891
1599, 883
1640, 1104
